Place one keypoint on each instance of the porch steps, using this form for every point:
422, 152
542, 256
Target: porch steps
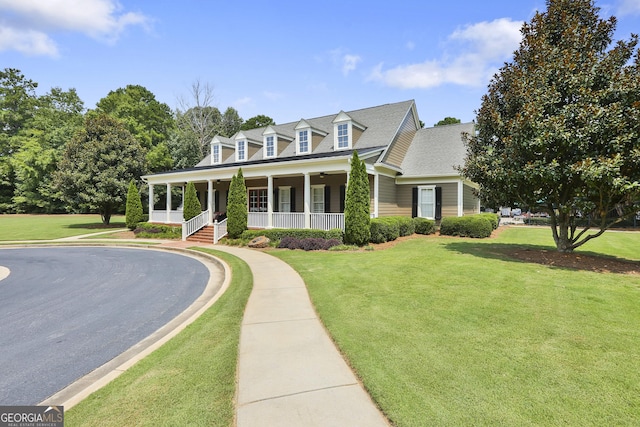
204, 235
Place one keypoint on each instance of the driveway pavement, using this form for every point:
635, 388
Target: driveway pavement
64, 311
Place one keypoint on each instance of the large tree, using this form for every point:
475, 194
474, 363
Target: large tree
447, 121
151, 122
97, 166
559, 129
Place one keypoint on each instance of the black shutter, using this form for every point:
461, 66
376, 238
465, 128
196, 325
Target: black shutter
276, 196
343, 193
327, 199
414, 202
438, 203
216, 201
293, 199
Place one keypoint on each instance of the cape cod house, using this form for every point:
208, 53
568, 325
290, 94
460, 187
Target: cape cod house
296, 173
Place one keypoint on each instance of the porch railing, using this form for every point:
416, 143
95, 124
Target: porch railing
174, 217
195, 224
258, 220
288, 220
327, 221
219, 230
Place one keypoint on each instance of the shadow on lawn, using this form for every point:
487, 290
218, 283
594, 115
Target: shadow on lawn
546, 255
98, 225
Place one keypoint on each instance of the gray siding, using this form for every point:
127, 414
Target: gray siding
470, 201
402, 141
387, 204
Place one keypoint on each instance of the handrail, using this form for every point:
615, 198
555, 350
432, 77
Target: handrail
219, 230
194, 224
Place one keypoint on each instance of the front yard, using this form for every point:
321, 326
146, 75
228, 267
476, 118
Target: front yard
453, 332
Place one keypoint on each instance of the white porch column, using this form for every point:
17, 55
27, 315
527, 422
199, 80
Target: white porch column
460, 198
150, 202
307, 200
270, 201
210, 207
168, 218
376, 193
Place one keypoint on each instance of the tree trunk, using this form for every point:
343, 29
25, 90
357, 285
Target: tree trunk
560, 224
105, 214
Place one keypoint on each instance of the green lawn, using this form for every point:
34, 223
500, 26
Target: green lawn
46, 227
189, 381
444, 332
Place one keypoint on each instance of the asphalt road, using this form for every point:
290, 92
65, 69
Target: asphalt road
65, 311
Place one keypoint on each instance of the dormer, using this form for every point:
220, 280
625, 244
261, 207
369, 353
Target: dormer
246, 147
307, 137
221, 148
346, 131
273, 143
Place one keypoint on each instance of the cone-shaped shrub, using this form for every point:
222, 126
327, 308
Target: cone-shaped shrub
133, 211
192, 207
237, 215
356, 207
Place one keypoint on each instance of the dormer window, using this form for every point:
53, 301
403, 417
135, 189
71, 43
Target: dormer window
270, 146
345, 131
303, 141
215, 154
241, 150
343, 135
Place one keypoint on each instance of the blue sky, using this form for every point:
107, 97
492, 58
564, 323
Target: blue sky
288, 60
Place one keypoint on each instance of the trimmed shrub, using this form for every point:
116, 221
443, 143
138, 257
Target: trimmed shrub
133, 211
157, 231
237, 215
308, 244
357, 204
406, 226
192, 207
493, 217
383, 229
424, 225
276, 234
466, 226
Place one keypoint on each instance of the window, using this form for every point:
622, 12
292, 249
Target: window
303, 141
284, 199
258, 200
241, 147
270, 149
343, 135
317, 199
427, 201
215, 153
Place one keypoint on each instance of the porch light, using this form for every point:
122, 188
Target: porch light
322, 175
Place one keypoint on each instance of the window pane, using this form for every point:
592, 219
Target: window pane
284, 199
303, 138
317, 200
270, 147
427, 202
343, 136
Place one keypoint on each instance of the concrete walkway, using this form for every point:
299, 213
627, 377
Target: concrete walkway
290, 372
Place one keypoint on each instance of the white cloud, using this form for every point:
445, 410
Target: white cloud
243, 102
346, 61
480, 47
349, 63
628, 7
27, 24
28, 42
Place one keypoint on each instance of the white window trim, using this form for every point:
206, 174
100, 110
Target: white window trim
275, 142
426, 214
286, 188
349, 135
238, 158
213, 159
309, 138
317, 187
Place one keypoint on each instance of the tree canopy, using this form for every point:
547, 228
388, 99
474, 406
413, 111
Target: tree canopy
447, 121
257, 122
559, 129
97, 166
357, 207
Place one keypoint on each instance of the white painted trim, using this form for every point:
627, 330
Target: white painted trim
270, 201
376, 194
427, 187
307, 203
460, 198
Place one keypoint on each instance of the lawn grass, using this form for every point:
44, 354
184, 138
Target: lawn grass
47, 227
444, 332
189, 381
